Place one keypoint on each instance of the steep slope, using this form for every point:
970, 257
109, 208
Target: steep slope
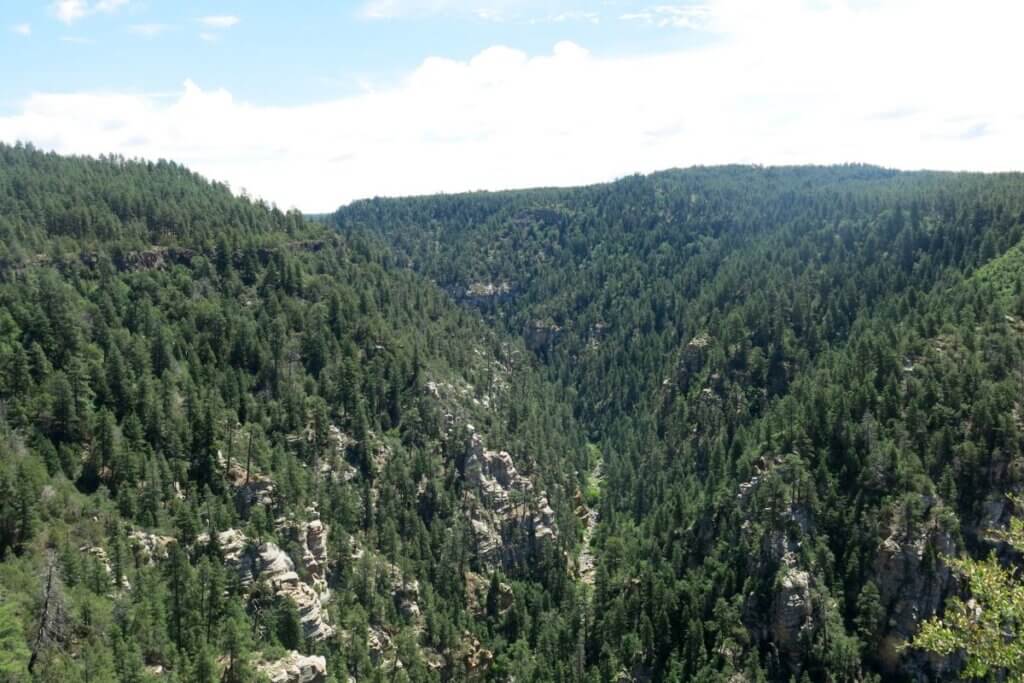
235, 441
804, 395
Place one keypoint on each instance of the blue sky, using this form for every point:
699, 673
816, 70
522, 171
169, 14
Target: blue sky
312, 104
287, 53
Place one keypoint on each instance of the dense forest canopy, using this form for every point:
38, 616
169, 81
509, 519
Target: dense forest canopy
235, 441
805, 382
714, 424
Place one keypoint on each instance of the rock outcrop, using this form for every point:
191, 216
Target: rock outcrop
790, 616
484, 293
379, 644
692, 360
405, 591
100, 555
540, 335
311, 537
488, 542
251, 488
295, 668
792, 610
507, 502
477, 590
913, 582
149, 548
267, 563
476, 658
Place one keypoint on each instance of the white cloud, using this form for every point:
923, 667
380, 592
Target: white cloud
779, 84
70, 11
391, 9
677, 16
149, 30
219, 21
589, 17
22, 29
534, 11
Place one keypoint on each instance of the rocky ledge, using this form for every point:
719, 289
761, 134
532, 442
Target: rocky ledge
295, 668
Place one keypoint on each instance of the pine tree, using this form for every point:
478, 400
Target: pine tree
237, 647
181, 612
204, 667
289, 624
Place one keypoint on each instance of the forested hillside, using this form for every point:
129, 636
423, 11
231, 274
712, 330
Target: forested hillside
805, 383
236, 445
721, 424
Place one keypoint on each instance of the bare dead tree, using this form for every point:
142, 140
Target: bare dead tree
52, 630
248, 459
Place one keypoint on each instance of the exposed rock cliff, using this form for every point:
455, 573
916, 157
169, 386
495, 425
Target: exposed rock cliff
483, 293
311, 537
913, 581
295, 668
147, 547
505, 501
692, 360
404, 590
267, 563
792, 619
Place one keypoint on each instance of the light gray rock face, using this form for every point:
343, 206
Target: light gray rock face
311, 537
775, 530
913, 582
483, 293
268, 563
792, 610
103, 560
505, 500
295, 668
251, 488
476, 658
493, 476
379, 645
149, 548
489, 547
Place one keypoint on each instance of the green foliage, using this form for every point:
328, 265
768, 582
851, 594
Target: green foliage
166, 346
783, 377
986, 627
14, 652
785, 367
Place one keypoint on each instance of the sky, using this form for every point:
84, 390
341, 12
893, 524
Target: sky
316, 103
